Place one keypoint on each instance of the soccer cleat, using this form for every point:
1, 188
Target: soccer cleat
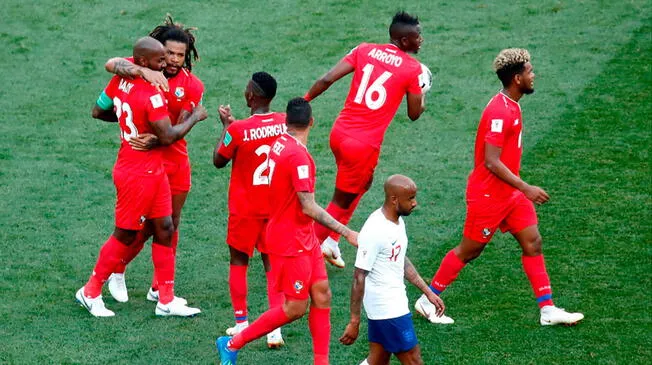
152, 296
331, 251
227, 357
95, 306
118, 287
175, 308
428, 310
275, 339
551, 315
232, 331
364, 362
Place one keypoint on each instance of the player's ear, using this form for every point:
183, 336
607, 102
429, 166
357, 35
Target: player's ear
312, 120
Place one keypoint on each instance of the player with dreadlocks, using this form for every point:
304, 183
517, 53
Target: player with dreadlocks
183, 91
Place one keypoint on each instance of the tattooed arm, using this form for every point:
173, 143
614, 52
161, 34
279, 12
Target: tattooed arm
126, 69
321, 216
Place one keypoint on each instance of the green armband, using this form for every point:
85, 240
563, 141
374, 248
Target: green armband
104, 102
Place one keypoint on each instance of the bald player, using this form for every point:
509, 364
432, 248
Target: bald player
383, 74
380, 267
143, 191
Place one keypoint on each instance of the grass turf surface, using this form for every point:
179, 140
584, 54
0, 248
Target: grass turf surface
586, 140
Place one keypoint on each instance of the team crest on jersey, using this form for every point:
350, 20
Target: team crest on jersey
486, 232
298, 285
179, 92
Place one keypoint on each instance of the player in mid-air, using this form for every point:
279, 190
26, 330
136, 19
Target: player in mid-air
496, 196
143, 191
184, 91
382, 75
248, 142
380, 269
298, 268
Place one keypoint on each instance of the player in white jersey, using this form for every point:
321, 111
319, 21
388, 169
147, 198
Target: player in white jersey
380, 267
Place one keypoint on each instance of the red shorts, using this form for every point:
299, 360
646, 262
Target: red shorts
486, 214
295, 275
179, 175
356, 162
246, 233
140, 198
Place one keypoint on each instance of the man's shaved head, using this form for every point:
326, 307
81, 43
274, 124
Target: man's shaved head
150, 53
400, 194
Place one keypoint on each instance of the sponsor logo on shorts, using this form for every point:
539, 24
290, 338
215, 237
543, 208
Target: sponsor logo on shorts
298, 285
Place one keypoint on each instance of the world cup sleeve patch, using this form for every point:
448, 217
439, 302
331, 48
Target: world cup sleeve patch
227, 139
156, 100
497, 125
303, 171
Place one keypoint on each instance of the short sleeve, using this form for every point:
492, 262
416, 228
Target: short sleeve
495, 126
303, 178
352, 56
156, 108
112, 87
195, 94
230, 143
413, 86
368, 249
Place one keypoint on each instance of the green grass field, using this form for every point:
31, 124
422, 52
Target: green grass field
587, 142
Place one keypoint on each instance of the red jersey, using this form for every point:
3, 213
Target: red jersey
290, 232
248, 143
383, 75
500, 125
186, 92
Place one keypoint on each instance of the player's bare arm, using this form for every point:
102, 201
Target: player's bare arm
357, 293
144, 142
105, 115
227, 119
492, 163
168, 134
416, 105
126, 69
321, 216
411, 275
323, 83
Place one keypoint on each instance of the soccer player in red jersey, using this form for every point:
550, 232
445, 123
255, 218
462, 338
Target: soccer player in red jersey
496, 196
297, 264
143, 191
382, 75
248, 143
184, 91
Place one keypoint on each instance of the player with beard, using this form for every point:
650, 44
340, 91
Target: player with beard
496, 196
182, 90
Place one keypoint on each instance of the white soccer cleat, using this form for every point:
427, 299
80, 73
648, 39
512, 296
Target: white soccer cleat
232, 331
551, 315
175, 308
275, 339
364, 362
95, 306
152, 296
428, 310
331, 251
118, 287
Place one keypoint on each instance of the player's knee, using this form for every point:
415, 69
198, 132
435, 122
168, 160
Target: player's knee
466, 254
322, 298
176, 220
533, 247
295, 309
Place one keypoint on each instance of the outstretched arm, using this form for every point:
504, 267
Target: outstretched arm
357, 293
126, 69
411, 275
323, 83
493, 163
313, 210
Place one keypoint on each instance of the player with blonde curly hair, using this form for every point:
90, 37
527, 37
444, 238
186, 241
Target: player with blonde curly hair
497, 198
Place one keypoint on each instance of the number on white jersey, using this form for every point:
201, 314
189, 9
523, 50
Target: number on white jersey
376, 89
259, 179
129, 119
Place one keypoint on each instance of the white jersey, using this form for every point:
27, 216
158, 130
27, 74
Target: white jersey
381, 251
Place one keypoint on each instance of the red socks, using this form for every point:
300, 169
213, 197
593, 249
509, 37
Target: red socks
175, 241
110, 255
163, 258
275, 298
319, 322
450, 267
266, 323
535, 269
238, 291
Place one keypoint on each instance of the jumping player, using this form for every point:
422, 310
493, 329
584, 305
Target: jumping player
184, 91
382, 75
497, 198
248, 143
297, 264
143, 191
380, 268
